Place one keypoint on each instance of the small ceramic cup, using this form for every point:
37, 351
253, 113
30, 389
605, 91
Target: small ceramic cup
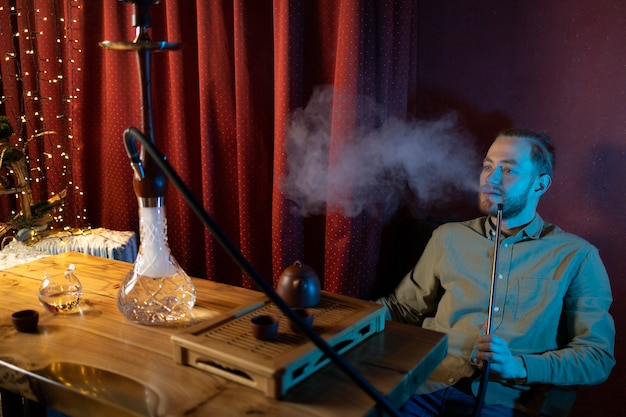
305, 314
25, 320
264, 327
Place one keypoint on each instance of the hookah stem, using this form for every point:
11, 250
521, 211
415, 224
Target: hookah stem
130, 135
142, 21
144, 64
484, 379
151, 182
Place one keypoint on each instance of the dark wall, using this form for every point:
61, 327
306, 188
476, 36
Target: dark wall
555, 67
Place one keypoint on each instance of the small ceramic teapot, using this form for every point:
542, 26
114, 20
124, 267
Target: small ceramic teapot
299, 286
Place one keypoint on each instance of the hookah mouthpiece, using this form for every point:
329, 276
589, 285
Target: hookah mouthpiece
494, 269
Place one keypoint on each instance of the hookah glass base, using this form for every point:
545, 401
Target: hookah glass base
157, 290
148, 300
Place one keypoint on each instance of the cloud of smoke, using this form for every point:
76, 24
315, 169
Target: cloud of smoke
377, 169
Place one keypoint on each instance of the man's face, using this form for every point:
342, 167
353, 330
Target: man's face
507, 177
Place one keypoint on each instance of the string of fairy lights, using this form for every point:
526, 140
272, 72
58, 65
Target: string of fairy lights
44, 83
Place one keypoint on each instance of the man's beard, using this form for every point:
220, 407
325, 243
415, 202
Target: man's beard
511, 207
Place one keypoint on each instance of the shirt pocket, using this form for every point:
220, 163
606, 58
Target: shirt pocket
537, 300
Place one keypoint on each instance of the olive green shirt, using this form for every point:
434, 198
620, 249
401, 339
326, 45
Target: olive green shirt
551, 305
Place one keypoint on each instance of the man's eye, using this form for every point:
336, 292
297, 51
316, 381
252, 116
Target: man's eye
486, 168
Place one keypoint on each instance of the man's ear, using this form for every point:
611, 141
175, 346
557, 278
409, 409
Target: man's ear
542, 183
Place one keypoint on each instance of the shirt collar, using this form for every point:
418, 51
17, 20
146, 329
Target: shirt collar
532, 230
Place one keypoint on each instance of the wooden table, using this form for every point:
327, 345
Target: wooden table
97, 363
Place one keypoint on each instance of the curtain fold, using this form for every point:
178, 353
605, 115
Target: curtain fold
224, 109
288, 40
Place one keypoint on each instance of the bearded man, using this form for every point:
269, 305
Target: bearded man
552, 330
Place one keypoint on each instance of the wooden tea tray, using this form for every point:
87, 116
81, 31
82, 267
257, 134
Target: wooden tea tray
225, 345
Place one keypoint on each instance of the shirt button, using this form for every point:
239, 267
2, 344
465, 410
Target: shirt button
500, 276
496, 309
506, 245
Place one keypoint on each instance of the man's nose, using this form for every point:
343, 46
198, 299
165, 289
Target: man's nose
495, 176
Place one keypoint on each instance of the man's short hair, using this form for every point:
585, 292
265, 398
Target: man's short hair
541, 152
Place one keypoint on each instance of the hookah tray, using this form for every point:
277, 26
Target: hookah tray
225, 346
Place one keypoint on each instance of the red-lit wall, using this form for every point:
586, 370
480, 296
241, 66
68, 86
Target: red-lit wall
555, 67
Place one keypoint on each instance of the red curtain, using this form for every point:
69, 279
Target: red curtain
223, 105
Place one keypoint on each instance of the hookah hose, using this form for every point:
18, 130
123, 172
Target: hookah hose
130, 136
484, 379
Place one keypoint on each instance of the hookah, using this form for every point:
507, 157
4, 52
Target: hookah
156, 290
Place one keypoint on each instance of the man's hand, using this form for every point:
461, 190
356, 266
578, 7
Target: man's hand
506, 366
